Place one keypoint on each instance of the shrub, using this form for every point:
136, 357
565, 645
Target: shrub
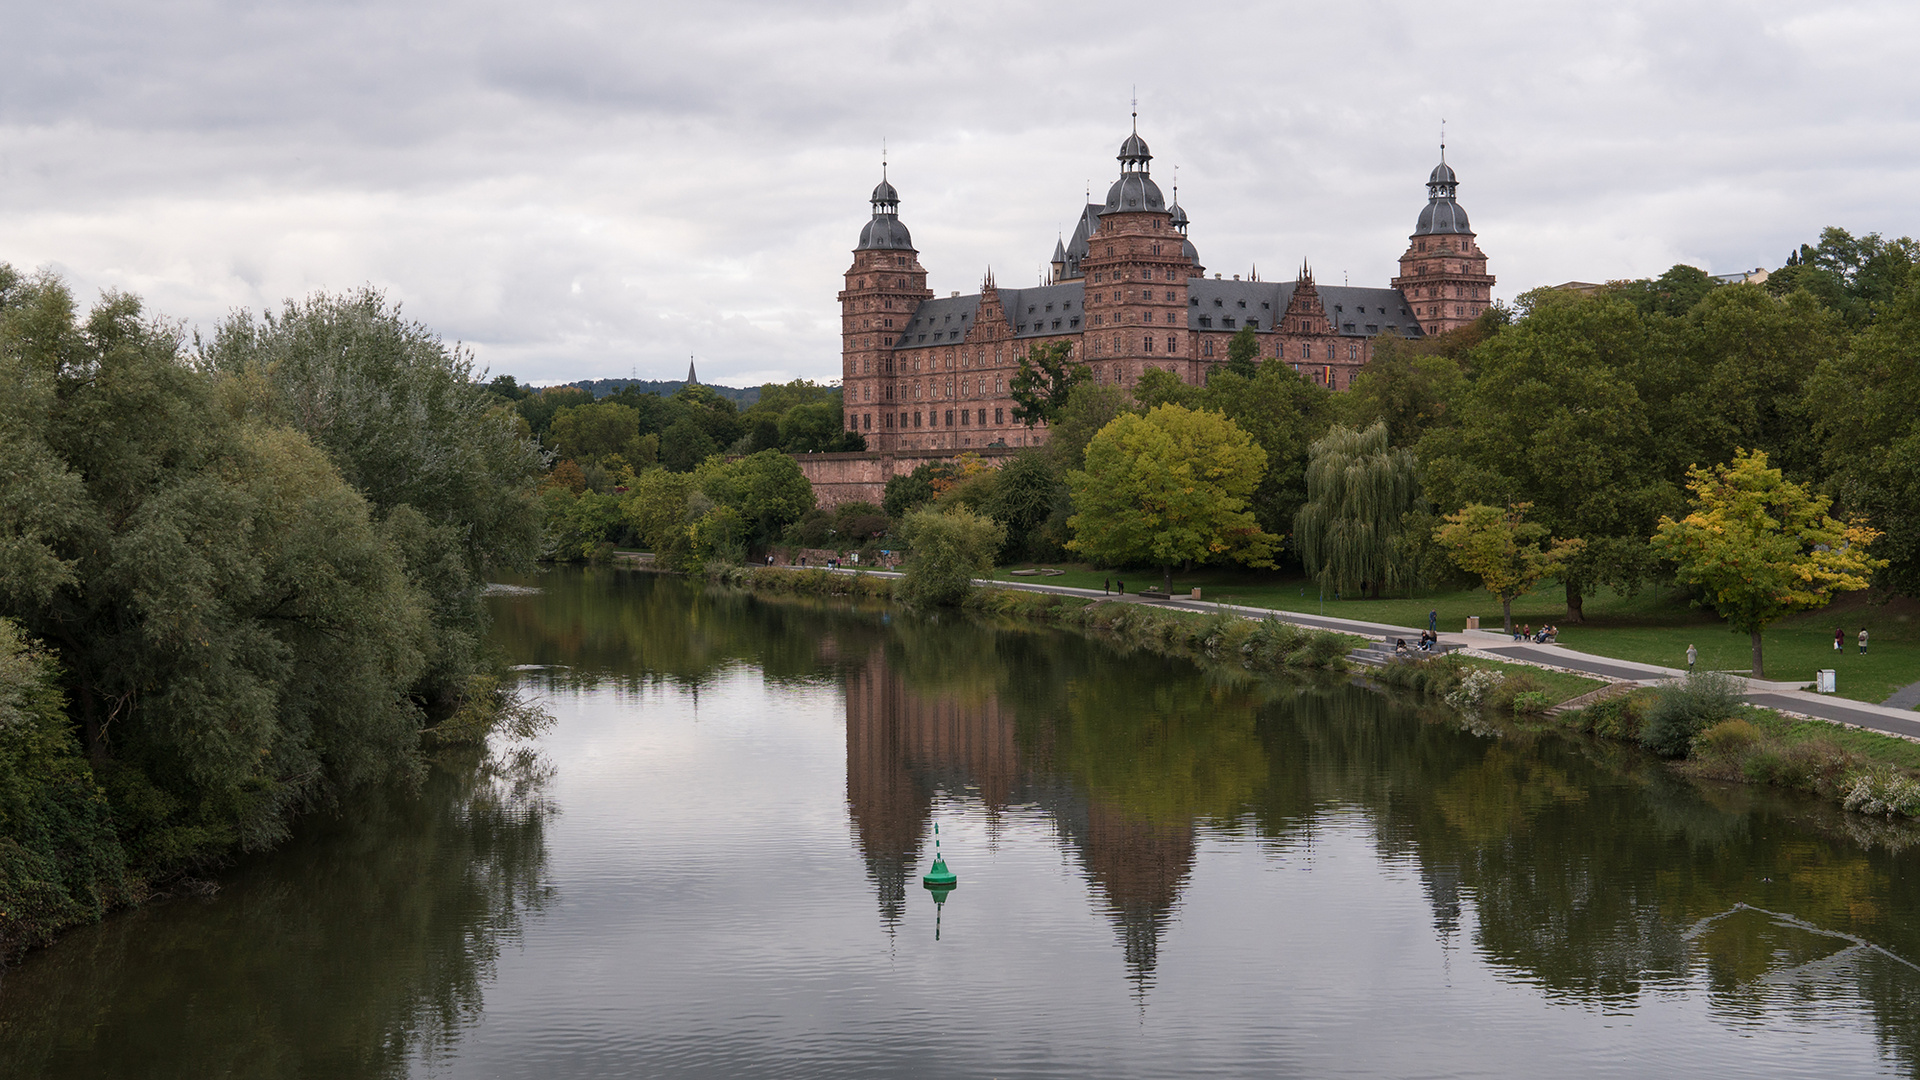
1503, 697
1884, 792
1727, 739
949, 549
1686, 707
1474, 688
1615, 718
1532, 702
1813, 765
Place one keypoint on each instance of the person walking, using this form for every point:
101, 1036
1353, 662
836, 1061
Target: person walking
1693, 657
1120, 586
1433, 621
1863, 641
1839, 638
1106, 586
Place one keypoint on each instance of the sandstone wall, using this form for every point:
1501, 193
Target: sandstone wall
862, 477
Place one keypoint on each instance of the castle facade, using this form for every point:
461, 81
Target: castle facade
1127, 292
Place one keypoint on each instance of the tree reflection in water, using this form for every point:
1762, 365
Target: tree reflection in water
363, 945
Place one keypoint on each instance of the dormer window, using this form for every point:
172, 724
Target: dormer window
1219, 303
1243, 303
1264, 304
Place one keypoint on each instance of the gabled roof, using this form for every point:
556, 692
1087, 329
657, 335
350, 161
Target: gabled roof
1044, 309
942, 320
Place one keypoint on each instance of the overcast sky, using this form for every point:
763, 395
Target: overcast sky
584, 189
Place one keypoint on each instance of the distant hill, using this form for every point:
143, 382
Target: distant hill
600, 388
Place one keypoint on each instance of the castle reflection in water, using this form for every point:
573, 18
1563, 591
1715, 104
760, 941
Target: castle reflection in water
903, 746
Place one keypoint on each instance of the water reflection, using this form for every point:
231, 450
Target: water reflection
1162, 871
363, 946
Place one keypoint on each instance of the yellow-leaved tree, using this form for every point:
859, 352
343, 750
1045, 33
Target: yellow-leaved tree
1762, 547
1503, 549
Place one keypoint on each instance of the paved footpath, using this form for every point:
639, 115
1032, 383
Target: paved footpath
1787, 697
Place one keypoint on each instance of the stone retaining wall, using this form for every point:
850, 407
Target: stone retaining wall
862, 477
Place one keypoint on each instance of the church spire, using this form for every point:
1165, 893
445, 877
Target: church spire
692, 379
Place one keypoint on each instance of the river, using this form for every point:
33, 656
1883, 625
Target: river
710, 867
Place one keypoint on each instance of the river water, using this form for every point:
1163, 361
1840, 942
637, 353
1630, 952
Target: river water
709, 867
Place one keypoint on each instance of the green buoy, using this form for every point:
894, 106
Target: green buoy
940, 879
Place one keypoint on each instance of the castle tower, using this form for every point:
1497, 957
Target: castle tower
1444, 272
884, 285
1135, 271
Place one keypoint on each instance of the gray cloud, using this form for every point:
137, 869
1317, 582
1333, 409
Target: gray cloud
589, 189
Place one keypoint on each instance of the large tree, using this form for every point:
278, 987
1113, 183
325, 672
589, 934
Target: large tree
1862, 402
946, 550
1553, 418
1048, 373
443, 463
236, 628
1760, 547
1167, 488
1351, 531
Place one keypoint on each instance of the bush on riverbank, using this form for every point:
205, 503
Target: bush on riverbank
1727, 739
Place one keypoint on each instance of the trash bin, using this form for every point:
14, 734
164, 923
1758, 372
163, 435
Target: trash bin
1473, 622
1826, 681
1196, 593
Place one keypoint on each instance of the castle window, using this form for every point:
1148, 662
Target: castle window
1243, 303
1227, 321
1195, 301
1219, 303
1147, 344
866, 421
949, 417
999, 416
1306, 351
1074, 322
1329, 350
1372, 329
1206, 347
1206, 320
1056, 324
1049, 307
1254, 323
1172, 345
1264, 304
1348, 327
916, 419
1353, 350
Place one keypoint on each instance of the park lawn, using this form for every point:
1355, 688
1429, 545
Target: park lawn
1653, 626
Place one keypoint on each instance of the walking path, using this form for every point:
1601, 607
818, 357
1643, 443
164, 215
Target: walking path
1907, 697
1788, 697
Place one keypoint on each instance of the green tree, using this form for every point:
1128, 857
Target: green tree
1360, 491
1048, 373
766, 489
1410, 390
657, 511
1025, 493
399, 414
946, 550
817, 427
1243, 353
603, 433
1673, 293
685, 445
1553, 418
238, 634
1090, 407
1862, 404
1761, 547
1852, 275
1503, 550
1170, 487
909, 491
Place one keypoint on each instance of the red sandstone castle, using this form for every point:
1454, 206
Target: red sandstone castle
1128, 292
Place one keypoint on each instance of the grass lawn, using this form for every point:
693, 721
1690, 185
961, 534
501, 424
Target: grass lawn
1653, 626
1563, 685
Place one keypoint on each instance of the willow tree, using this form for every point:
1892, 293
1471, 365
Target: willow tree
1351, 530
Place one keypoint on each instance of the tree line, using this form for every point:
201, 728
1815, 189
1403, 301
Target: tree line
240, 578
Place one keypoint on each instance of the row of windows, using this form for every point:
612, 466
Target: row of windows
967, 418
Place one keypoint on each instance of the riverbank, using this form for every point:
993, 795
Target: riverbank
1863, 770
1256, 645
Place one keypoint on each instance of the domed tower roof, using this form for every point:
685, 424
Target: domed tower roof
1442, 214
885, 232
1135, 190
1179, 215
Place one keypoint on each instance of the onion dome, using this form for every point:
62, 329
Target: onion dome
1179, 215
885, 232
1134, 152
1442, 214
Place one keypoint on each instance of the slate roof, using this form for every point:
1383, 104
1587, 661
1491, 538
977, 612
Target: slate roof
1027, 310
942, 320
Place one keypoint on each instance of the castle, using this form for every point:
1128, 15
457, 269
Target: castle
1127, 292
